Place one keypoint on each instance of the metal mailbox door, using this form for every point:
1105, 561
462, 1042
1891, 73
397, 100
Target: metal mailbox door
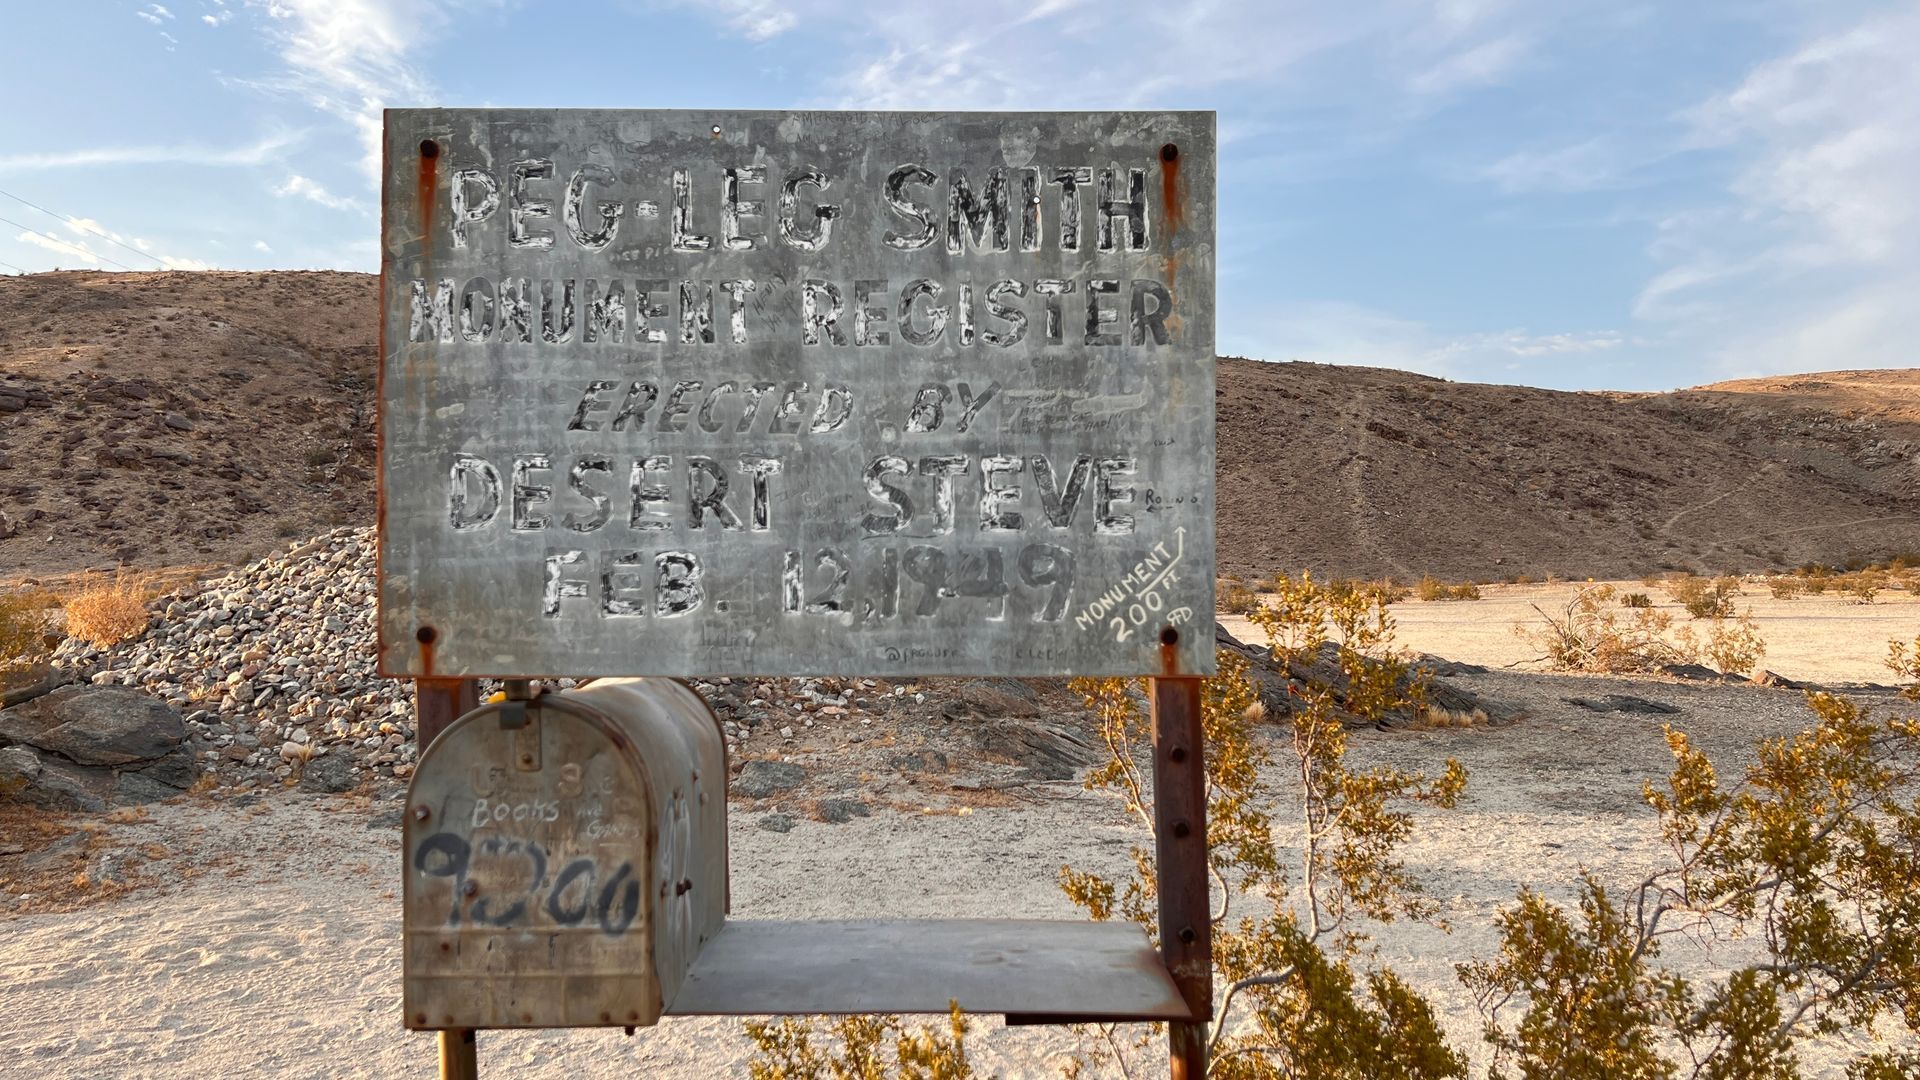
530, 857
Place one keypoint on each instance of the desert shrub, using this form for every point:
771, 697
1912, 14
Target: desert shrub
1863, 585
1811, 853
1388, 590
1236, 598
1590, 634
1431, 588
1702, 598
1904, 660
1733, 645
854, 1050
1638, 600
1295, 1002
108, 611
25, 621
1784, 588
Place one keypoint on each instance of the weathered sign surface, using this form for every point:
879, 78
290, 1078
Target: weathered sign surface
797, 393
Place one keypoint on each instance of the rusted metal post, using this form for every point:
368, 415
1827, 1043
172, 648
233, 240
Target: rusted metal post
1180, 853
457, 1058
439, 702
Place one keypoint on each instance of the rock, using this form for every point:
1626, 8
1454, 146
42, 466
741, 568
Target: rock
177, 421
19, 767
1281, 685
62, 785
840, 811
1441, 668
1625, 703
18, 687
921, 761
759, 779
1047, 751
328, 775
1778, 682
776, 822
106, 725
1695, 672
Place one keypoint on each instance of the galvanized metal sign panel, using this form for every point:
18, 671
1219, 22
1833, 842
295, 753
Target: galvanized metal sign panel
797, 393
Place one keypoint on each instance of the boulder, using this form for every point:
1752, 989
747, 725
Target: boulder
1282, 684
759, 779
91, 747
1625, 703
328, 775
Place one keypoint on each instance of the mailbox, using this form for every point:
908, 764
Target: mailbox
566, 858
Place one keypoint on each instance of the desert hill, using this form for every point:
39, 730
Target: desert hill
179, 418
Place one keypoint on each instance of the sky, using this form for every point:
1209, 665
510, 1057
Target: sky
1558, 193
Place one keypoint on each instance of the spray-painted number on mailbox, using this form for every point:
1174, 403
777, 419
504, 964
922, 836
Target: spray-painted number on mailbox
578, 891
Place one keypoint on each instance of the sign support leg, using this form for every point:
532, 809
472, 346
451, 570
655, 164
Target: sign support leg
439, 702
1180, 853
457, 1060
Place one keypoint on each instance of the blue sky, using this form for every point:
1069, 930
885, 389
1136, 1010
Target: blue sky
1555, 193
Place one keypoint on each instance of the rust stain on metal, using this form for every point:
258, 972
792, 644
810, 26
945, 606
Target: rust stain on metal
1171, 209
424, 190
426, 636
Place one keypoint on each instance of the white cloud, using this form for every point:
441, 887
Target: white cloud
220, 16
1594, 164
352, 58
77, 249
266, 149
755, 20
88, 229
1023, 54
262, 247
1813, 259
1335, 332
1482, 64
155, 14
301, 187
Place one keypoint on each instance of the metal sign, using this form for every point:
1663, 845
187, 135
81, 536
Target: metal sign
797, 393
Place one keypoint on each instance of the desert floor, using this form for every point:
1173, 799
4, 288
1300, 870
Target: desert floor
267, 943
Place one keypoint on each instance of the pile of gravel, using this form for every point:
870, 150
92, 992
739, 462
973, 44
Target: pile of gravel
272, 664
273, 667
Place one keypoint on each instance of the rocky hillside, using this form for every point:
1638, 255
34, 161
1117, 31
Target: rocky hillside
167, 419
1372, 472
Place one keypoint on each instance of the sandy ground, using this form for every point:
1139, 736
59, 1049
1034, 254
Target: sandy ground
1826, 638
271, 946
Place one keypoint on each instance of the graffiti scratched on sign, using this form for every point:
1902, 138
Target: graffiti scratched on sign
686, 393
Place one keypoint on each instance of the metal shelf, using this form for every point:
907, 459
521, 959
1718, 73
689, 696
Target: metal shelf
1036, 970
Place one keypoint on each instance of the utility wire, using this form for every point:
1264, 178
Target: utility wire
57, 240
78, 224
15, 269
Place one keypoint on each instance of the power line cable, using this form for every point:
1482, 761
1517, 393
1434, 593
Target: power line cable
16, 269
78, 224
57, 240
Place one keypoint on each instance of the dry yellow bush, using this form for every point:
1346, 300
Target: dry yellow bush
1702, 598
108, 612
